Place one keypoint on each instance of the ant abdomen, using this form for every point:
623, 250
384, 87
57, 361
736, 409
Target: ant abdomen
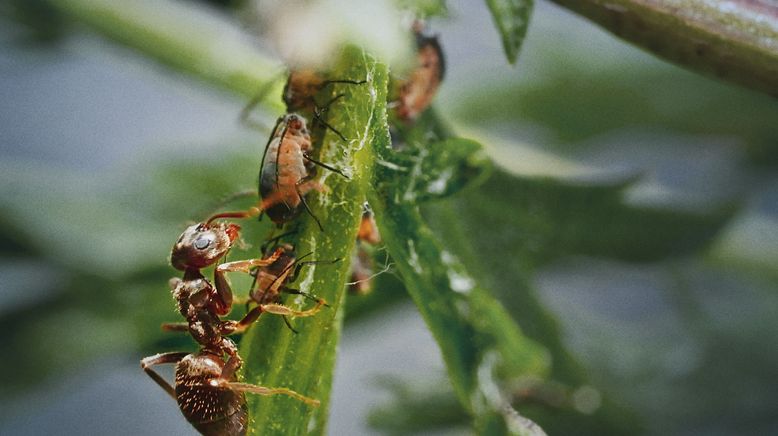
211, 409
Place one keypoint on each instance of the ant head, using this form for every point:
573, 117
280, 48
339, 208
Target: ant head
203, 244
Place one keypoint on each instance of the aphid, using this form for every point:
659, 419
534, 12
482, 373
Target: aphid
362, 261
271, 280
287, 171
416, 92
299, 95
286, 174
206, 385
303, 85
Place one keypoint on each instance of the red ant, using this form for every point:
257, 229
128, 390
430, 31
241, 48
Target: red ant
415, 93
206, 386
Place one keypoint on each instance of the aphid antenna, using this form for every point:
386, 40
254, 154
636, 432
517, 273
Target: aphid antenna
274, 240
325, 166
307, 208
318, 111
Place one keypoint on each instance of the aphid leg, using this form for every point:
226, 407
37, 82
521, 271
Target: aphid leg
301, 193
324, 165
274, 240
317, 117
261, 390
289, 325
300, 266
159, 359
350, 82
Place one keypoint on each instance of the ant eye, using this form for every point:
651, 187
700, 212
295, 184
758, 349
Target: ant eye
202, 243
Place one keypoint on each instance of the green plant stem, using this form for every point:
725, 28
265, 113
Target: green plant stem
186, 37
735, 41
275, 356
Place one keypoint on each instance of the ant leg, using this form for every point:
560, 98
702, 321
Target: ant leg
234, 362
232, 327
246, 265
159, 359
324, 165
261, 390
228, 199
175, 327
223, 288
279, 309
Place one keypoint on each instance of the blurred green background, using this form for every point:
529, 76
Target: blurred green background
632, 228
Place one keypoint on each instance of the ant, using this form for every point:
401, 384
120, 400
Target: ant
206, 386
415, 93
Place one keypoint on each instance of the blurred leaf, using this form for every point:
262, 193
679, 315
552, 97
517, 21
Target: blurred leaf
417, 407
482, 347
191, 39
424, 8
622, 94
535, 220
438, 169
46, 23
421, 407
512, 19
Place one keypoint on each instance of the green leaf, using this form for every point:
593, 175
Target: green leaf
536, 220
304, 362
512, 20
482, 347
424, 8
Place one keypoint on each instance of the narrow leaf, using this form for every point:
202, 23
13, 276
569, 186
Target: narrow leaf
481, 345
512, 19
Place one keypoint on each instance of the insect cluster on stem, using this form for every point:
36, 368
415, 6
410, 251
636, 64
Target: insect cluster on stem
206, 384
